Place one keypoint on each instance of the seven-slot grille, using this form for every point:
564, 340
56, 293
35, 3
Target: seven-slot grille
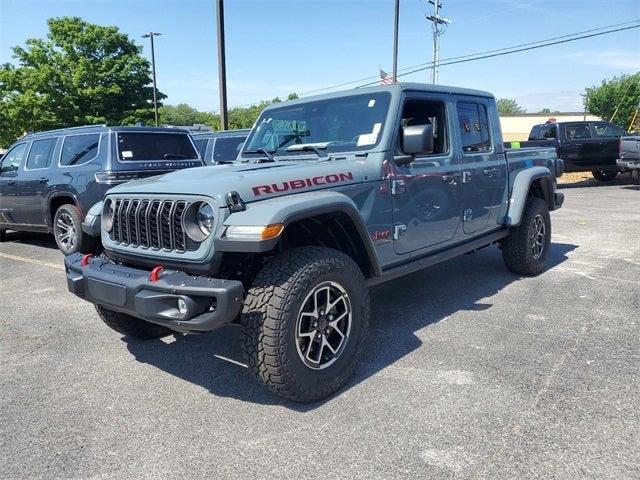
151, 224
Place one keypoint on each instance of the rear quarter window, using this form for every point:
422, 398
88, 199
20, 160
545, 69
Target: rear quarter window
139, 146
78, 149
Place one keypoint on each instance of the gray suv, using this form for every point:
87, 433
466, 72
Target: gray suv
49, 180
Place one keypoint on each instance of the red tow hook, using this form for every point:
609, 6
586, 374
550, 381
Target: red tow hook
85, 259
154, 276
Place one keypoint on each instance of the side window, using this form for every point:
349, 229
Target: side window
227, 148
427, 112
41, 154
11, 161
605, 130
201, 146
548, 132
474, 127
77, 149
577, 131
535, 133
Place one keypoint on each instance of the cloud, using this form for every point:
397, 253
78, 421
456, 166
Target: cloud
621, 59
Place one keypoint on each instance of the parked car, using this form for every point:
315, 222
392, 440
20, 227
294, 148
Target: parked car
584, 146
49, 180
216, 147
330, 195
629, 155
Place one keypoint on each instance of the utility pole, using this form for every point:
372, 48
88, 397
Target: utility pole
222, 66
396, 19
150, 36
439, 26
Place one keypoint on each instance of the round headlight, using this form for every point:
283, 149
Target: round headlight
108, 213
205, 218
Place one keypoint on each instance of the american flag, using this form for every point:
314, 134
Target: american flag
386, 78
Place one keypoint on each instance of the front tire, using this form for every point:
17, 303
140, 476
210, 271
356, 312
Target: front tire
304, 320
129, 325
526, 248
604, 175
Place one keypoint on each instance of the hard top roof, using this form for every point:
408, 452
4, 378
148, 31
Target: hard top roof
241, 132
398, 87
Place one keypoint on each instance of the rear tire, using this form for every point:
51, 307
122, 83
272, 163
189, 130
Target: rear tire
67, 230
132, 326
300, 303
526, 248
604, 175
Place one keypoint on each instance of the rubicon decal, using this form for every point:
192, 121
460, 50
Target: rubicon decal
301, 183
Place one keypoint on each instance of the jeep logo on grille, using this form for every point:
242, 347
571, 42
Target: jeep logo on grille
302, 183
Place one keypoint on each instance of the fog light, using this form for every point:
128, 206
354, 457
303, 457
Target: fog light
182, 306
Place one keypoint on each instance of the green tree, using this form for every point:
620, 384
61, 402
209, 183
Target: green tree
545, 110
615, 100
183, 114
508, 106
80, 74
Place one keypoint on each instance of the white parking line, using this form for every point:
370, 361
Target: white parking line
58, 266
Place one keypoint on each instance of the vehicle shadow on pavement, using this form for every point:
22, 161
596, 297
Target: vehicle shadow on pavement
45, 240
400, 308
621, 179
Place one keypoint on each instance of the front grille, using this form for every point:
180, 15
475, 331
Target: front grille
151, 224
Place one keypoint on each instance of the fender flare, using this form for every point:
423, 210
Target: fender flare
58, 194
520, 190
289, 209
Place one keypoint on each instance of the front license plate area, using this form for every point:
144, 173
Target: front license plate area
108, 292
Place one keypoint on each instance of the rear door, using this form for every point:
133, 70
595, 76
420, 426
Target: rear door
483, 168
608, 136
33, 183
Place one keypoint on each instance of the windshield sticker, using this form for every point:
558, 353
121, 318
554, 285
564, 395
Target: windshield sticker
370, 138
127, 154
372, 102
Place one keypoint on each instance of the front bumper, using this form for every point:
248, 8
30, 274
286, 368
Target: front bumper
629, 164
211, 302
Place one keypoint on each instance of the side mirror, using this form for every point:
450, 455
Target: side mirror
417, 140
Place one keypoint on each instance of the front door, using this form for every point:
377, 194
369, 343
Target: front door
8, 178
33, 184
483, 170
426, 193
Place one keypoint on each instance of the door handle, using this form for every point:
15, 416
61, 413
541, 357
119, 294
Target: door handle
11, 182
451, 179
43, 179
489, 171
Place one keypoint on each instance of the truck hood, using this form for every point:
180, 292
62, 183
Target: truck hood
252, 181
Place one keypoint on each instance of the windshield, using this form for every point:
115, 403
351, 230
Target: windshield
340, 124
138, 146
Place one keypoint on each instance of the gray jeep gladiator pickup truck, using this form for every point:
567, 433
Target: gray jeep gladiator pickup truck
329, 195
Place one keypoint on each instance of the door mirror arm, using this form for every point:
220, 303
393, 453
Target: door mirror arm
404, 160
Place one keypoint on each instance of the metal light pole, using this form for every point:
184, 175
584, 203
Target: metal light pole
222, 66
150, 35
396, 19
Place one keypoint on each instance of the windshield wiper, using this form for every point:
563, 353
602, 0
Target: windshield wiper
175, 156
308, 148
266, 153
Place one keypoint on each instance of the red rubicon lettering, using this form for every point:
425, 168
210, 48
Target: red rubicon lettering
301, 183
261, 189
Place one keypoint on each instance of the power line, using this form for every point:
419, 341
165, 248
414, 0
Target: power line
482, 57
476, 56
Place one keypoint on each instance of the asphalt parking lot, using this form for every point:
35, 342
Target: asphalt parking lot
471, 372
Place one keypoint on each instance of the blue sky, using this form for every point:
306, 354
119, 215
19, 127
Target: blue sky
277, 47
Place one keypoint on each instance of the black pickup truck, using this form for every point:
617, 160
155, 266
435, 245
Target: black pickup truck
584, 146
